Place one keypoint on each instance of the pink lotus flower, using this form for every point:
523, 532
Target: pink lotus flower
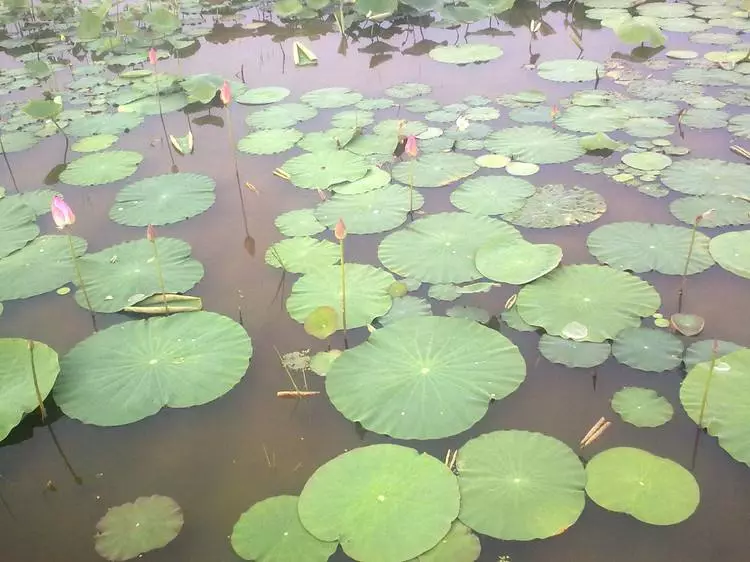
225, 93
152, 56
62, 214
340, 231
151, 233
411, 146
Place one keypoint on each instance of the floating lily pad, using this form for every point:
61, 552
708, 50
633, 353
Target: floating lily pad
555, 205
18, 396
702, 351
435, 170
126, 273
603, 300
687, 324
367, 294
165, 199
262, 96
570, 70
270, 531
574, 354
648, 127
302, 254
17, 225
648, 161
516, 168
494, 161
592, 119
406, 307
519, 485
269, 141
459, 545
648, 349
652, 489
492, 195
130, 529
465, 53
105, 124
329, 98
536, 145
281, 116
642, 407
94, 143
132, 370
473, 313
441, 248
360, 498
322, 141
321, 170
702, 176
154, 105
731, 251
739, 125
408, 90
375, 178
641, 247
598, 141
517, 263
101, 167
705, 118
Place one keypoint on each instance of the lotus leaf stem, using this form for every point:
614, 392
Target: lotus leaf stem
39, 398
160, 274
79, 278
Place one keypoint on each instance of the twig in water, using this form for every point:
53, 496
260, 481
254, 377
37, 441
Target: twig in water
296, 393
595, 432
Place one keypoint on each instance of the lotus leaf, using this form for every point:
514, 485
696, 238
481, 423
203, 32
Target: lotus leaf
101, 167
648, 349
592, 119
642, 407
472, 313
375, 178
94, 143
705, 118
492, 195
702, 176
17, 141
408, 90
598, 141
648, 127
571, 353
406, 307
321, 170
321, 141
104, 124
459, 545
269, 141
435, 170
647, 161
262, 96
554, 205
739, 125
328, 98
352, 119
517, 263
396, 127
281, 116
302, 254
301, 222
731, 251
17, 225
702, 351
465, 53
640, 30
648, 108
570, 70
537, 145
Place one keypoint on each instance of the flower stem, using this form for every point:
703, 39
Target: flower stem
39, 398
687, 265
343, 292
704, 400
161, 276
79, 278
411, 189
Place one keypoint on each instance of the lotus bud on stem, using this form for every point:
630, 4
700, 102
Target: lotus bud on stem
340, 233
697, 222
39, 398
412, 151
152, 59
151, 237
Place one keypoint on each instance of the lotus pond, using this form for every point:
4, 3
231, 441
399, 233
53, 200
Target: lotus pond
434, 281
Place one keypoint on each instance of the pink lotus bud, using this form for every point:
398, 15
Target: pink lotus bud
554, 112
225, 93
152, 55
411, 146
340, 230
62, 214
151, 233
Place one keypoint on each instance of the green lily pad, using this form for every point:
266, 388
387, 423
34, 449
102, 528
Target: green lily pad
132, 370
459, 545
592, 119
648, 161
94, 143
435, 170
555, 205
156, 104
432, 392
703, 176
301, 222
731, 251
705, 118
492, 195
598, 141
652, 489
281, 116
603, 300
17, 225
165, 199
648, 127
642, 407
533, 144
302, 254
648, 349
371, 212
641, 247
330, 140
407, 90
574, 354
127, 273
473, 313
519, 485
441, 248
101, 167
570, 70
321, 170
18, 396
517, 263
375, 178
367, 294
270, 531
739, 125
321, 363
17, 141
322, 322
130, 529
269, 141
41, 266
465, 53
406, 307
262, 96
702, 351
687, 324
330, 98
639, 30
104, 124
648, 108
362, 497
352, 119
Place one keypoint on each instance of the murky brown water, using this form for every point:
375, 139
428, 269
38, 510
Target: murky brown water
211, 458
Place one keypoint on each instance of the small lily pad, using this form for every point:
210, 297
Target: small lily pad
574, 354
101, 167
517, 263
642, 407
466, 53
647, 349
731, 251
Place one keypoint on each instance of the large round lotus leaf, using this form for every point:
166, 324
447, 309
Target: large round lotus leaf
323, 141
104, 124
648, 161
374, 179
652, 489
648, 108
329, 98
17, 141
407, 90
492, 195
17, 387
302, 254
367, 497
465, 53
459, 545
642, 407
705, 118
41, 266
437, 377
269, 141
154, 105
648, 349
321, 170
352, 119
130, 371
725, 413
94, 143
731, 251
127, 273
130, 529
281, 116
517, 263
592, 119
570, 70
261, 96
726, 210
739, 125
641, 247
648, 127
702, 351
601, 299
571, 353
554, 205
270, 531
165, 199
519, 485
441, 248
702, 176
300, 222
374, 211
435, 170
393, 127
367, 294
101, 167
17, 225
406, 307
536, 145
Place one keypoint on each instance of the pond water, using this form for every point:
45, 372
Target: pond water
58, 477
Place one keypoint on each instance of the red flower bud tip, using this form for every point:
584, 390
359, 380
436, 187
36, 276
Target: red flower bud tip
411, 146
62, 214
340, 230
225, 93
151, 233
152, 56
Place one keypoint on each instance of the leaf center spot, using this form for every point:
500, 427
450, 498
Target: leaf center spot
381, 498
153, 362
425, 370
